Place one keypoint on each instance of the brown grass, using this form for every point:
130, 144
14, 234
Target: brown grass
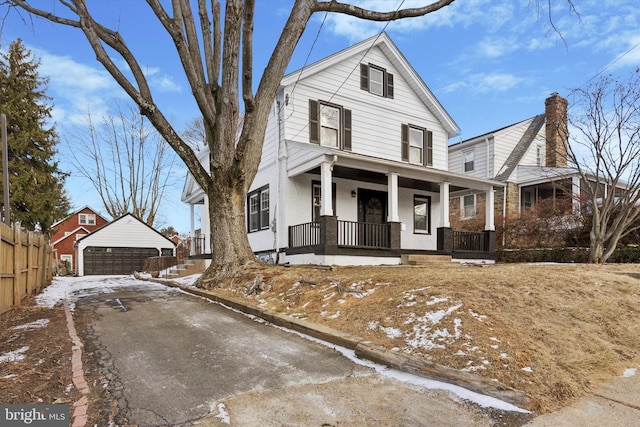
553, 331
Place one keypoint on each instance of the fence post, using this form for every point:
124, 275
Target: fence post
17, 274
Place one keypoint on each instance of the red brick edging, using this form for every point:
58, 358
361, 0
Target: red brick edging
80, 407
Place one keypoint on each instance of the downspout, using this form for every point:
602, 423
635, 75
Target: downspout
504, 215
274, 225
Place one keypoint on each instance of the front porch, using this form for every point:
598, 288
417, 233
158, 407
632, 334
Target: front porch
331, 236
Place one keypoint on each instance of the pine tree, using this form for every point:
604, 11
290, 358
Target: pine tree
36, 184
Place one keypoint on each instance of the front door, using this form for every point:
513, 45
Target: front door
372, 209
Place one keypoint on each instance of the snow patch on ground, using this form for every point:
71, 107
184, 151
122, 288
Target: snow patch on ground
73, 288
37, 324
223, 414
629, 372
14, 356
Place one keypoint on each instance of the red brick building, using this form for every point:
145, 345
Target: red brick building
70, 229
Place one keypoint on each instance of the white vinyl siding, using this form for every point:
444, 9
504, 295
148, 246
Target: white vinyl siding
375, 120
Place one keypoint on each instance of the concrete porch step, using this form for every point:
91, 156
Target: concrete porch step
426, 259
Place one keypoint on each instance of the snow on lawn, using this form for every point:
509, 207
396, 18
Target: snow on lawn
40, 323
14, 356
73, 288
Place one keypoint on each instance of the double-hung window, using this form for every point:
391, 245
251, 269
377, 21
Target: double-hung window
422, 214
469, 160
87, 219
329, 125
469, 206
316, 190
376, 80
417, 145
258, 209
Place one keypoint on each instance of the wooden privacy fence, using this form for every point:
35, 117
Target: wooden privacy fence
26, 264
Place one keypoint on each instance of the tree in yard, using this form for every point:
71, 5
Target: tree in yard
604, 146
217, 58
126, 162
36, 185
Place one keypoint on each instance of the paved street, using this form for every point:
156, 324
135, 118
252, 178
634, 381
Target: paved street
175, 358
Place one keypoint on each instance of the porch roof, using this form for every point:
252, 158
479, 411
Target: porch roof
304, 157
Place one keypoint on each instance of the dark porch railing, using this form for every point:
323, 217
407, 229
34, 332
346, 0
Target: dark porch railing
470, 241
307, 234
364, 235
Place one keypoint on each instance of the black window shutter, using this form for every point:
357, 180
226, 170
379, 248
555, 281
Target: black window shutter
346, 136
428, 148
364, 77
405, 143
389, 85
314, 129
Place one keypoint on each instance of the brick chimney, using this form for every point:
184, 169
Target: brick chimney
555, 111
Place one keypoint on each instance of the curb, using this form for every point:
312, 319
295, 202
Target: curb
79, 417
365, 350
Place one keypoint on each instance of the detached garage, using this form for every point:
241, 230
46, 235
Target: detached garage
120, 247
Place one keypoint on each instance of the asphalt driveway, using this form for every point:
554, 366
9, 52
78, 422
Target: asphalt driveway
176, 359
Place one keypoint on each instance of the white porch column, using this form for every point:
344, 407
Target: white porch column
192, 229
489, 210
444, 205
392, 188
325, 189
575, 194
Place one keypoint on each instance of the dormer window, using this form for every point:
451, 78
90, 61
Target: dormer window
86, 219
376, 80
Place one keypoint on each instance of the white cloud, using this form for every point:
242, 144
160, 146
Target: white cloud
482, 83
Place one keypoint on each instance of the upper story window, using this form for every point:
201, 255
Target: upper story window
329, 125
417, 145
376, 80
87, 219
469, 161
258, 203
539, 152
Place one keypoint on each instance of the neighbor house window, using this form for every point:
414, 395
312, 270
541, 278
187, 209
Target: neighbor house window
539, 161
417, 145
258, 204
469, 206
316, 191
527, 199
422, 214
87, 219
329, 125
376, 80
469, 161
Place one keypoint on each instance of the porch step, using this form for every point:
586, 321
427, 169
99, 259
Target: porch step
187, 269
426, 259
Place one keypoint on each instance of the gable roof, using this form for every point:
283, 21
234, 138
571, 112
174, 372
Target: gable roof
391, 51
77, 212
71, 233
117, 220
521, 148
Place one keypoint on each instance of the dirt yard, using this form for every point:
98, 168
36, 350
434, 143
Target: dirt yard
553, 331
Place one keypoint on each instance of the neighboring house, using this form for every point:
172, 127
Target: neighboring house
120, 247
75, 226
354, 167
528, 157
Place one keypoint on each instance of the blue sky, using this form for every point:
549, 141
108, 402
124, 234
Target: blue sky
490, 63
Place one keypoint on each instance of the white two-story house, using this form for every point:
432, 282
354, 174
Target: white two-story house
354, 168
